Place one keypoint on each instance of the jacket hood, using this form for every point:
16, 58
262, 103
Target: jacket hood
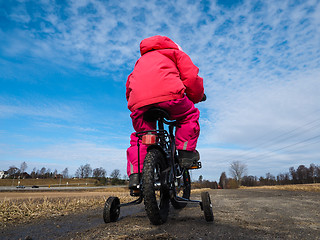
156, 43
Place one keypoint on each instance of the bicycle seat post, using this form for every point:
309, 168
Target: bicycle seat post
160, 123
161, 128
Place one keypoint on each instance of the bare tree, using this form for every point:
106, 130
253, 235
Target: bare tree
237, 170
48, 174
302, 174
23, 167
87, 170
65, 173
312, 173
42, 172
80, 172
200, 178
223, 180
293, 175
34, 173
84, 171
270, 179
317, 173
99, 172
249, 181
115, 174
13, 171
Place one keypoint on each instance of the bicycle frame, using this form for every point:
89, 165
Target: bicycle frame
166, 144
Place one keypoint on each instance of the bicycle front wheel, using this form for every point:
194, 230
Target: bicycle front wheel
156, 195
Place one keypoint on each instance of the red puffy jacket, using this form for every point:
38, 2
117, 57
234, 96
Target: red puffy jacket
162, 73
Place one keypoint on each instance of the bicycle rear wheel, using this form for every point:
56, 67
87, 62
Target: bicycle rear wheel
156, 195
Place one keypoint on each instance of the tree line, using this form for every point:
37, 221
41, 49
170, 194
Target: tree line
301, 175
84, 171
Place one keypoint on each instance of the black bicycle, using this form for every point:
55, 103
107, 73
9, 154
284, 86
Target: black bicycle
163, 180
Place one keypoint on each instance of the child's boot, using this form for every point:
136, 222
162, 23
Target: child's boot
189, 159
134, 184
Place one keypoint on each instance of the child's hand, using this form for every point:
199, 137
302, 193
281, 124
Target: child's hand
204, 98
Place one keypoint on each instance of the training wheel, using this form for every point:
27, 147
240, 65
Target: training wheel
207, 206
111, 210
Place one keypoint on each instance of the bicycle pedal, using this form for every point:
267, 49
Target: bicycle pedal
135, 192
197, 166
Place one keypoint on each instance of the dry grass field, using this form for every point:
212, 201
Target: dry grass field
48, 182
20, 207
315, 187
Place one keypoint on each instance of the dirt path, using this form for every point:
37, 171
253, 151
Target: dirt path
239, 214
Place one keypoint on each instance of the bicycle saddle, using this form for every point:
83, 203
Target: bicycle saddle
154, 113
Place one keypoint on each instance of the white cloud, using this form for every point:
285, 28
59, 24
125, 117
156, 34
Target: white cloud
276, 126
251, 111
10, 107
107, 34
20, 14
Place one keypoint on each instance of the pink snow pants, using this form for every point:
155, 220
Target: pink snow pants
187, 130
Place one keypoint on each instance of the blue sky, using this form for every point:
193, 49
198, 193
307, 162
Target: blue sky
64, 64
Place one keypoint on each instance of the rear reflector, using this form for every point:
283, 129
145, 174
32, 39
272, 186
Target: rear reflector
149, 139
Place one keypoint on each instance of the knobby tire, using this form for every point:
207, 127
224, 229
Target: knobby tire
154, 164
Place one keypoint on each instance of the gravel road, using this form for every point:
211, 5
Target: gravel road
239, 214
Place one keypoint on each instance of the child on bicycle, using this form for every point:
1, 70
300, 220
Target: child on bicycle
164, 76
